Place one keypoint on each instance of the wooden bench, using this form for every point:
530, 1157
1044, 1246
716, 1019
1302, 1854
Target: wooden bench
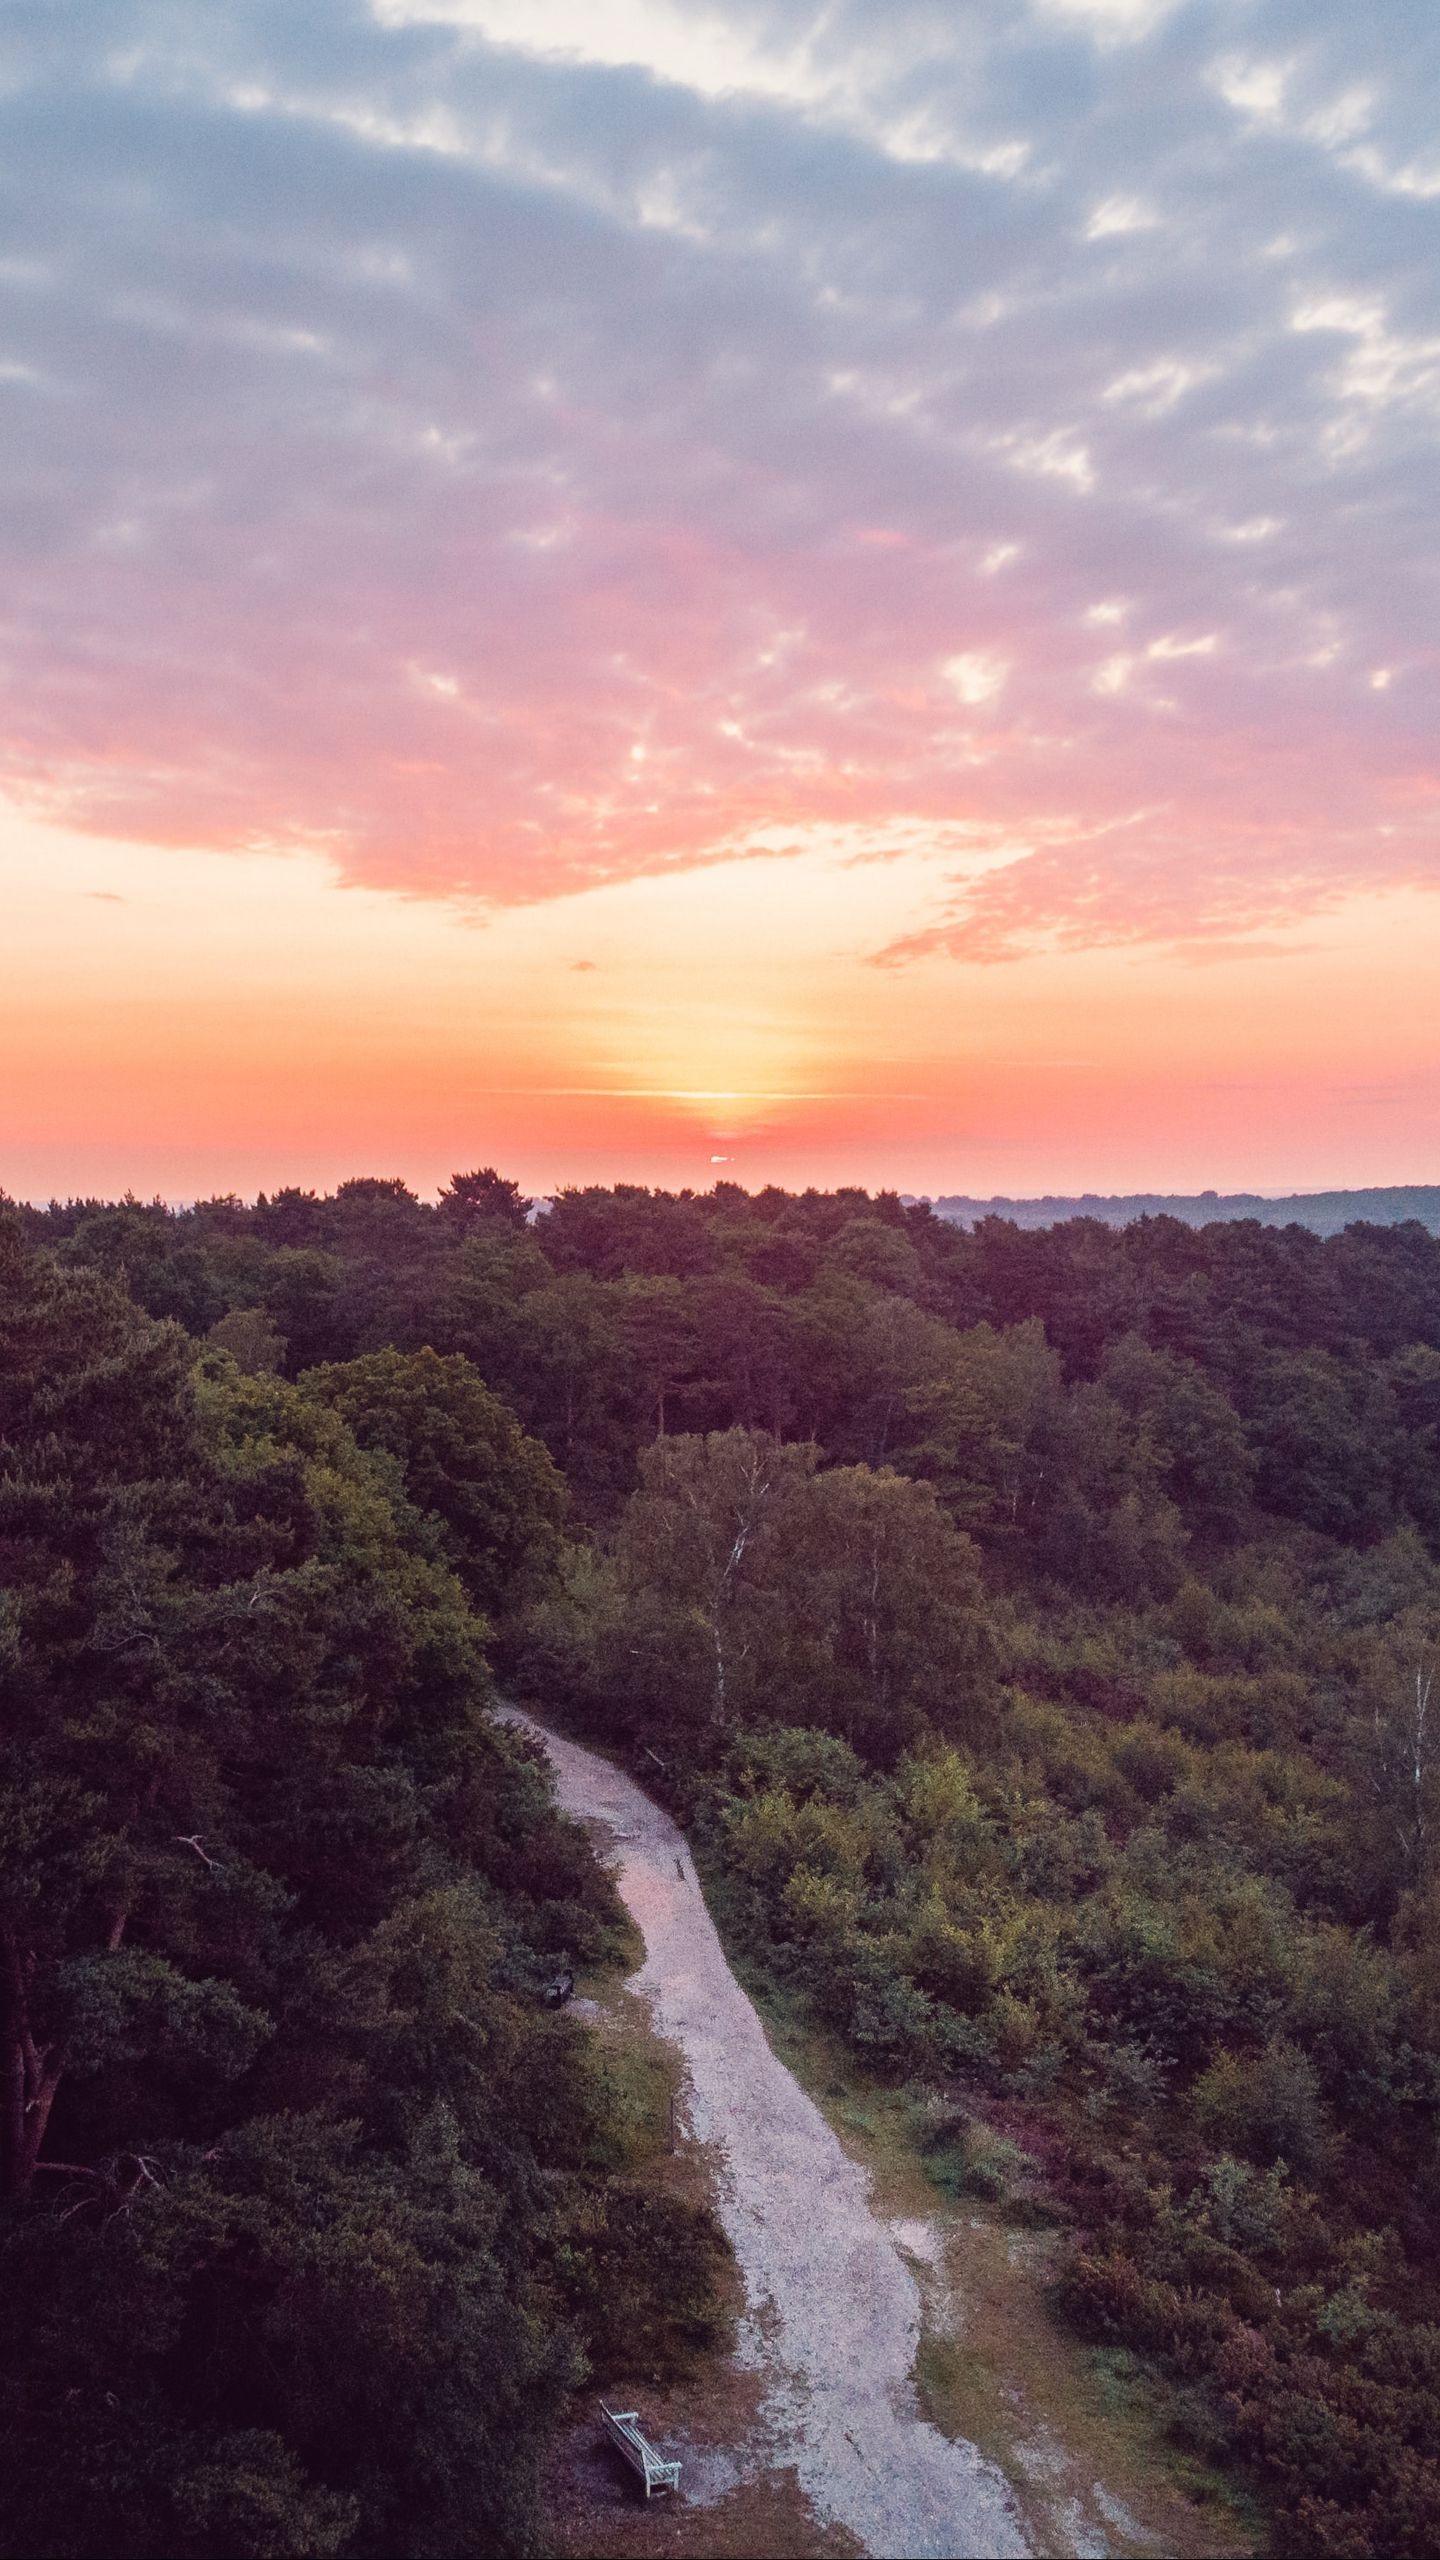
643, 2459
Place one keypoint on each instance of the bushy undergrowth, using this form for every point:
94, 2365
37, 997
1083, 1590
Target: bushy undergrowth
1161, 1967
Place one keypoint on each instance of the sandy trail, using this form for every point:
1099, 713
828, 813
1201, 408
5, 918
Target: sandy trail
833, 2316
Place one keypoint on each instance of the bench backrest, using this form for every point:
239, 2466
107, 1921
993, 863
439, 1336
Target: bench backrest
620, 2426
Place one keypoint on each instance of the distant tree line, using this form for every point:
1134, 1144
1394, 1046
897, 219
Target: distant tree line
850, 1321
1326, 1213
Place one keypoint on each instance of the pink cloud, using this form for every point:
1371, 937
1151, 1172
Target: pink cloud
618, 484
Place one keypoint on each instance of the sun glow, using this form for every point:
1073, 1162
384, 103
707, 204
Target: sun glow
624, 584
181, 1021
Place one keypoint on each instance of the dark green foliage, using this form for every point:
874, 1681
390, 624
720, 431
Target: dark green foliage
746, 1587
462, 1459
292, 2150
1037, 1625
642, 2265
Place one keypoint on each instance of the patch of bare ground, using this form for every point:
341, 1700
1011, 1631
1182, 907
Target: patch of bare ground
1079, 2435
832, 2314
732, 2506
1078, 2441
897, 2384
737, 2498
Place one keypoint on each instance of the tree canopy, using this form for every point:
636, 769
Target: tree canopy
1036, 1630
291, 2142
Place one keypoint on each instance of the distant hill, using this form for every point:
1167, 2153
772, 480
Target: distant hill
1324, 1212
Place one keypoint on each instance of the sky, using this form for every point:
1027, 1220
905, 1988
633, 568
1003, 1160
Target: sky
643, 589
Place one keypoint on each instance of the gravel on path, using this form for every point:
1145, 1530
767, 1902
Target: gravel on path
833, 2316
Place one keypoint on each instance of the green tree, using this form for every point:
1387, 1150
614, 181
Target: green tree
288, 2135
878, 1612
463, 1460
692, 1554
1194, 1435
474, 1201
773, 1591
981, 1425
253, 1342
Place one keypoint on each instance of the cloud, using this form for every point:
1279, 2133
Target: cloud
511, 462
976, 675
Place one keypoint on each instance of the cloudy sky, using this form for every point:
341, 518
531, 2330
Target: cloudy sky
630, 584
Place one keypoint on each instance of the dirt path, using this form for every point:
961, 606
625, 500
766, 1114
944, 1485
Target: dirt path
834, 2310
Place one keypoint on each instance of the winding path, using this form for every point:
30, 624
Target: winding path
833, 2309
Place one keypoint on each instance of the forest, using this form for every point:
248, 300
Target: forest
1034, 1631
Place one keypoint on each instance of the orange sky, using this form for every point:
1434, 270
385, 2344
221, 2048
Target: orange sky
640, 588
181, 1021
